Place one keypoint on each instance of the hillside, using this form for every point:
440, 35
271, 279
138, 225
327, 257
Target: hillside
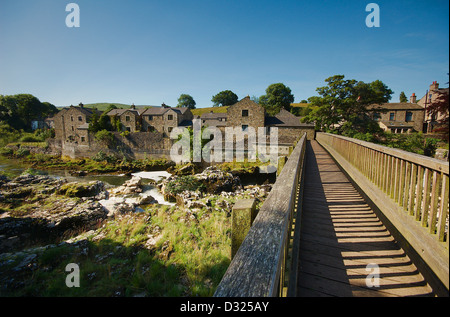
200, 111
104, 105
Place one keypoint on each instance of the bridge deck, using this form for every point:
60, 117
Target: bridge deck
341, 235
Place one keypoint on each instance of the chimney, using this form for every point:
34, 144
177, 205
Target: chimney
413, 98
133, 106
434, 86
81, 105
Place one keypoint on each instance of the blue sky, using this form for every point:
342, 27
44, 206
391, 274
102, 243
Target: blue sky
149, 52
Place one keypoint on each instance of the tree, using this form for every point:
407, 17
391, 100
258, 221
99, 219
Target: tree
20, 110
277, 97
439, 108
342, 104
187, 101
224, 98
403, 98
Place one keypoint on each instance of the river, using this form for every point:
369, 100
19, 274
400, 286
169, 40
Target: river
14, 168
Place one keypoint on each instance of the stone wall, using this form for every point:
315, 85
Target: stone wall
137, 145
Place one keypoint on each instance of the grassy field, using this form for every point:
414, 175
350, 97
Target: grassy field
104, 105
200, 111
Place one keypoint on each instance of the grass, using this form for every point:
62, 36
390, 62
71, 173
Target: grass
188, 257
102, 106
200, 111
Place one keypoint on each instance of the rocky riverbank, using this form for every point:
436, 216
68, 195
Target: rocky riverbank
50, 220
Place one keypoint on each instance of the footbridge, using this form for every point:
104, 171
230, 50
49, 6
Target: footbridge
347, 218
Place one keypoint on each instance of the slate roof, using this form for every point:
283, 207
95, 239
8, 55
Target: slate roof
120, 112
159, 111
285, 119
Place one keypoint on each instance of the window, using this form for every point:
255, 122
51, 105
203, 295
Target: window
245, 113
83, 139
150, 118
73, 129
127, 118
169, 129
170, 117
408, 116
71, 118
80, 118
392, 116
244, 128
128, 129
377, 116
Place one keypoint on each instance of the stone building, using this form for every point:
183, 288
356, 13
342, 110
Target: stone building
71, 124
289, 127
247, 113
399, 117
72, 137
129, 118
163, 119
432, 94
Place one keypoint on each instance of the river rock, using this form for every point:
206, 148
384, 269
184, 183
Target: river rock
46, 223
132, 186
217, 181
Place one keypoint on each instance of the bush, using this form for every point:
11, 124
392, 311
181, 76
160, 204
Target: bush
125, 133
183, 183
30, 138
6, 151
102, 156
105, 136
22, 152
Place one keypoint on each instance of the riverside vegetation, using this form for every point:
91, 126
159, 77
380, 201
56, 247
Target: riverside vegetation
181, 249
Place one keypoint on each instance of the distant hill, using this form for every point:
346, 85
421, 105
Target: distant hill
104, 105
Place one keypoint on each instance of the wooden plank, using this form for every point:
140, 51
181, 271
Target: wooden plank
412, 190
407, 186
426, 197
435, 192
443, 210
419, 193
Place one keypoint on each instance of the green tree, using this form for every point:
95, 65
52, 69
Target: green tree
94, 125
403, 97
187, 101
105, 137
277, 97
20, 110
342, 105
224, 98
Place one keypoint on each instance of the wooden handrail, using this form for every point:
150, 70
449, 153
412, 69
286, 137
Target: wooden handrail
259, 267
